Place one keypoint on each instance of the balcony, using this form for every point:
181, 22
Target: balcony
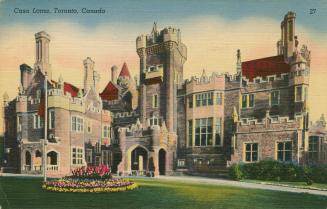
154, 74
52, 167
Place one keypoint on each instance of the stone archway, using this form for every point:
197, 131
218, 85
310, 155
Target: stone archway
37, 161
28, 161
139, 159
52, 161
162, 162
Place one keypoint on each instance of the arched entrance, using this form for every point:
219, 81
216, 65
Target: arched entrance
52, 160
28, 161
162, 162
37, 162
139, 159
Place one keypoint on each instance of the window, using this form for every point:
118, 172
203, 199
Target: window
244, 101
218, 131
290, 30
155, 101
190, 101
106, 157
180, 162
301, 93
313, 148
77, 124
37, 121
89, 126
298, 93
284, 151
251, 100
219, 98
106, 131
274, 98
248, 100
97, 147
51, 119
88, 155
190, 133
198, 99
204, 99
19, 123
251, 152
203, 132
77, 155
154, 121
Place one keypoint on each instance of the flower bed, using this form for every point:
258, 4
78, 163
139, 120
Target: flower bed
90, 179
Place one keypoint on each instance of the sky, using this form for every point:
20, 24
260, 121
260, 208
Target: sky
212, 31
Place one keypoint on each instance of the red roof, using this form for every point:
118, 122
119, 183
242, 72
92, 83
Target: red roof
110, 92
264, 67
70, 88
73, 90
124, 71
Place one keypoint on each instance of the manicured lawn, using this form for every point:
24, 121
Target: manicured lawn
23, 193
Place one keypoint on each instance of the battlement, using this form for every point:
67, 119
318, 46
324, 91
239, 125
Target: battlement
266, 79
216, 81
272, 123
156, 37
125, 114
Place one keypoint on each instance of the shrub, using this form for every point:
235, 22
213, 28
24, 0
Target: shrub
235, 172
279, 171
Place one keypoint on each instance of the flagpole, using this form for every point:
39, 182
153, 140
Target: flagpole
45, 127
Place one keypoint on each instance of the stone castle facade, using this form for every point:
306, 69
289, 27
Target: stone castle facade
161, 123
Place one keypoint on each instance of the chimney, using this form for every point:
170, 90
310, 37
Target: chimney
42, 58
88, 73
114, 72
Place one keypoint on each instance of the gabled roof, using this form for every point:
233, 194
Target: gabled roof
264, 67
110, 92
124, 71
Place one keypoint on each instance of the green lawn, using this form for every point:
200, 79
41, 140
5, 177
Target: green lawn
23, 193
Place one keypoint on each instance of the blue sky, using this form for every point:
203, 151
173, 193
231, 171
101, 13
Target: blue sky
146, 11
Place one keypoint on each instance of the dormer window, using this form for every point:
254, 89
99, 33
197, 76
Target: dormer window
154, 121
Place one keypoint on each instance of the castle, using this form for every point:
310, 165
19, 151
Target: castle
161, 123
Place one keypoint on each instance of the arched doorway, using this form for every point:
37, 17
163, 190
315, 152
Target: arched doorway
37, 162
28, 161
139, 159
52, 160
162, 162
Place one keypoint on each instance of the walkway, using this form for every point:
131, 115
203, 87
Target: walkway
223, 182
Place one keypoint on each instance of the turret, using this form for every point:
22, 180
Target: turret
42, 58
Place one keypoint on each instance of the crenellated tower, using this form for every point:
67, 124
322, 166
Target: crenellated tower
162, 55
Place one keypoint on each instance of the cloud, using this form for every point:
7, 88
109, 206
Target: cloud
212, 43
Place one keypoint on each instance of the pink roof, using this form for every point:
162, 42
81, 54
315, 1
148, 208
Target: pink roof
124, 71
